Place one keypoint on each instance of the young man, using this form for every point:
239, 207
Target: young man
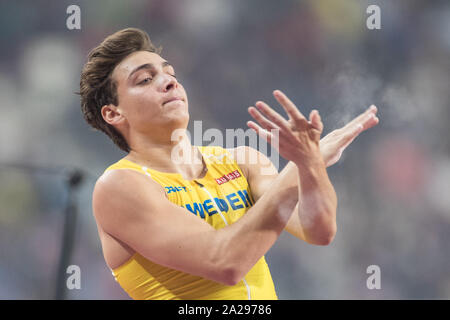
199, 229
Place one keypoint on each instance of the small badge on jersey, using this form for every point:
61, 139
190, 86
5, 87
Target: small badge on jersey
227, 177
171, 189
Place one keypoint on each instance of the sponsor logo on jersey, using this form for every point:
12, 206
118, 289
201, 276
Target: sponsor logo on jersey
229, 176
232, 201
171, 189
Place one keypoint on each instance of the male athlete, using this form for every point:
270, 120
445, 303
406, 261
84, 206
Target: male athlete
199, 229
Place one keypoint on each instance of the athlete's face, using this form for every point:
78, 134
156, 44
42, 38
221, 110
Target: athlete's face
150, 97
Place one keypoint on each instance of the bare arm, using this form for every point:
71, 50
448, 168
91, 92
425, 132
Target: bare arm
133, 208
331, 147
298, 140
317, 233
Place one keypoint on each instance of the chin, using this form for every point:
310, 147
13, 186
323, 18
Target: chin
178, 120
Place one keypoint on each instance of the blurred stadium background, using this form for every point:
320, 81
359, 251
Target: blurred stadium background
393, 183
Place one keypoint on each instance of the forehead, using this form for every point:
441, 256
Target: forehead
134, 60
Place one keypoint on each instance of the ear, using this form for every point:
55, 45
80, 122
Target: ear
112, 115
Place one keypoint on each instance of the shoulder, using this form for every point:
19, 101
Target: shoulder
249, 158
124, 181
242, 153
115, 189
112, 179
252, 162
241, 156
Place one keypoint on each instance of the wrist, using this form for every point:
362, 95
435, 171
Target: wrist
312, 160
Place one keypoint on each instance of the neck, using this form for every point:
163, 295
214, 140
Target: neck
172, 157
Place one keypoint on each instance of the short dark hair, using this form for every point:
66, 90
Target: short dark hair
97, 88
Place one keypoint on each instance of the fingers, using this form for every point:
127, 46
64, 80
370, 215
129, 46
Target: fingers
272, 115
363, 115
270, 119
374, 120
364, 121
350, 133
263, 133
265, 123
367, 119
268, 128
315, 120
292, 111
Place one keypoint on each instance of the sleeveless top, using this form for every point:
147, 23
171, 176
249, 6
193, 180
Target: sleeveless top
220, 198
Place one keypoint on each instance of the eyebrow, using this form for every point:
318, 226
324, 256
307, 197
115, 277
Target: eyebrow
148, 66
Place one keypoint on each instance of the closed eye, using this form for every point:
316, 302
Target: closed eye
146, 80
149, 79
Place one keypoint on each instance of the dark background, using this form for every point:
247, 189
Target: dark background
393, 182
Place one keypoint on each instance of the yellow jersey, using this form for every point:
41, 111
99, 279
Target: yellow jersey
220, 198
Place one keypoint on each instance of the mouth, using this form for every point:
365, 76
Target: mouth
172, 100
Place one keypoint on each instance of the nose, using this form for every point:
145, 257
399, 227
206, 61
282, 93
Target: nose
169, 83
